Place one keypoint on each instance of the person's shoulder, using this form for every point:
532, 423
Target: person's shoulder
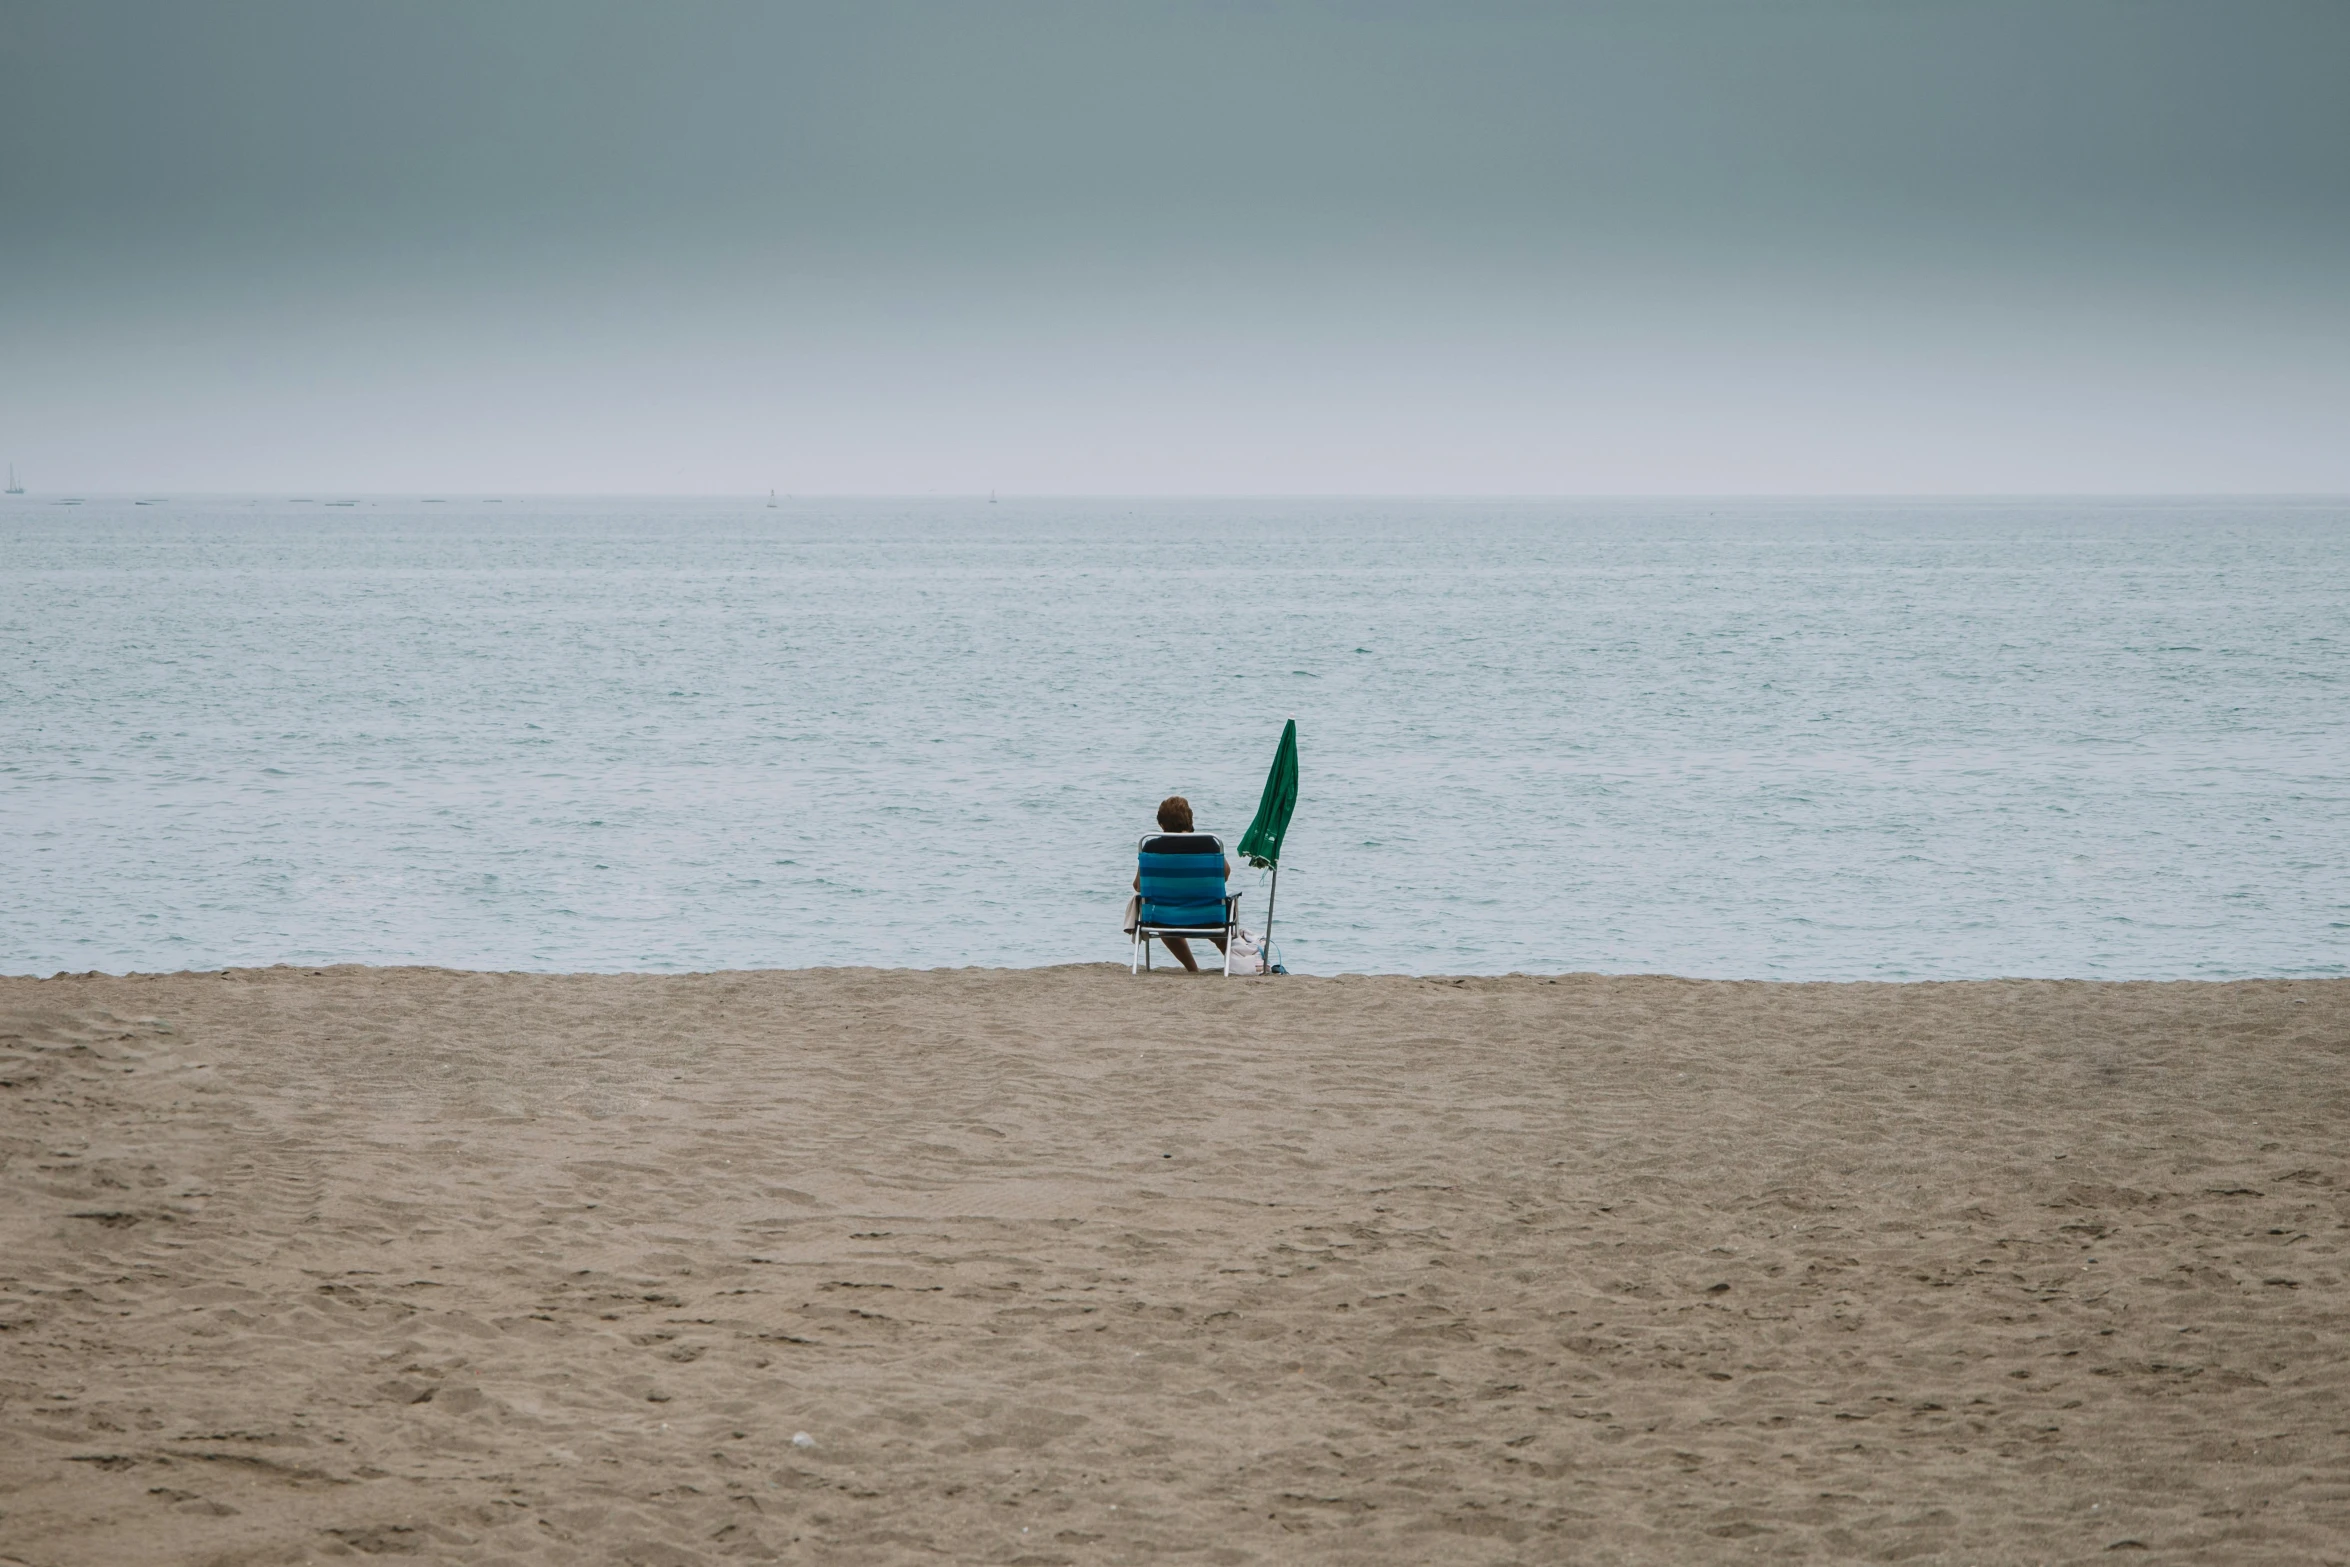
1180, 843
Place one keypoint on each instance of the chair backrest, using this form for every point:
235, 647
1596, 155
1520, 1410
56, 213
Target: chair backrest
1182, 879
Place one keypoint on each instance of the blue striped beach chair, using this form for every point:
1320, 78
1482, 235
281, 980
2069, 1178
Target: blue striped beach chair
1182, 893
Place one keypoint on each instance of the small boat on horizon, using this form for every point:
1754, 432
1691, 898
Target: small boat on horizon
14, 488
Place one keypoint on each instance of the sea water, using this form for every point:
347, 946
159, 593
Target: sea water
1774, 739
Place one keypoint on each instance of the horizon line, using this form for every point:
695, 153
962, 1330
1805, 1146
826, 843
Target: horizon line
156, 493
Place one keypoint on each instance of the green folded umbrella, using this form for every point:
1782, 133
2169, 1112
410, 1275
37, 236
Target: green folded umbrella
1261, 844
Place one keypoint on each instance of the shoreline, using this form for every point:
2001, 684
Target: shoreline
1105, 966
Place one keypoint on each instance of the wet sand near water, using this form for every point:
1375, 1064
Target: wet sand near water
1062, 1266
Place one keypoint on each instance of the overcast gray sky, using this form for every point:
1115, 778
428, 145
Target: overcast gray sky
1223, 246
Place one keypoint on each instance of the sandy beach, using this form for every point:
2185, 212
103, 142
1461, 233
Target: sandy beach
1060, 1265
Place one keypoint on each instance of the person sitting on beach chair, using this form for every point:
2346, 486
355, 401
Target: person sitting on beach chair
1186, 873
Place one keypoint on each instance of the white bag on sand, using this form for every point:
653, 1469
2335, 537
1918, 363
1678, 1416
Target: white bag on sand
1244, 958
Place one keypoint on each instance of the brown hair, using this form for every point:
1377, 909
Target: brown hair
1175, 814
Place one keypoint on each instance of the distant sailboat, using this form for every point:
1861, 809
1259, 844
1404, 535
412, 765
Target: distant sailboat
991, 497
14, 488
771, 500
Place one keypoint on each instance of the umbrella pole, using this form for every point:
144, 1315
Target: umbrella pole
1271, 892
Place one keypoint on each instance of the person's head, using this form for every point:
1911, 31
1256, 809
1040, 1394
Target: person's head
1174, 814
